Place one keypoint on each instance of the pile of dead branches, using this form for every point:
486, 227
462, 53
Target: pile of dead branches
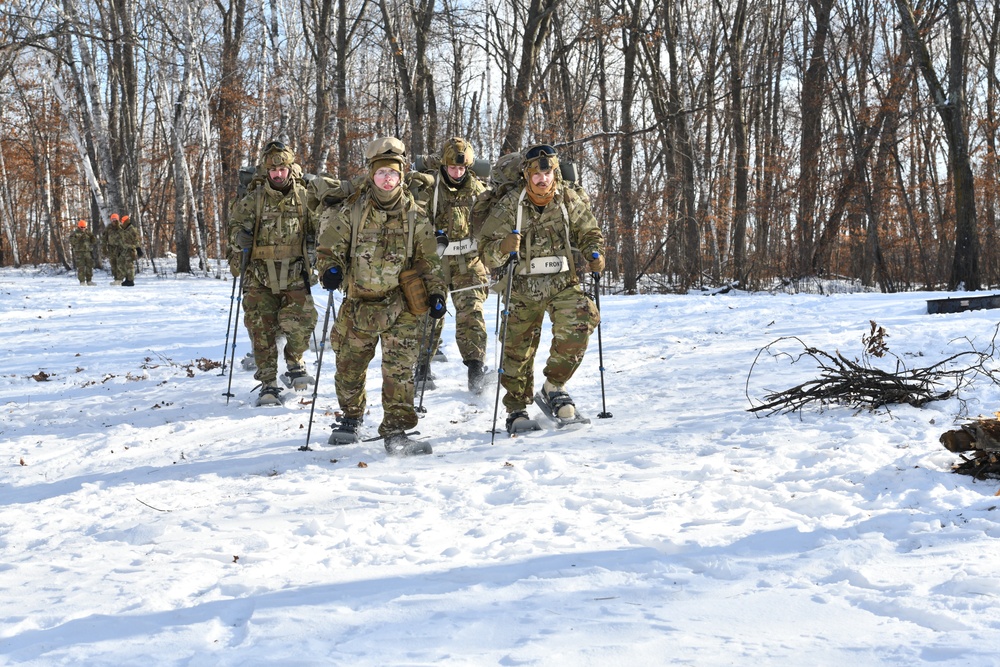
982, 438
859, 384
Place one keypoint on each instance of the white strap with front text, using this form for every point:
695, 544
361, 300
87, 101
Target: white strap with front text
545, 265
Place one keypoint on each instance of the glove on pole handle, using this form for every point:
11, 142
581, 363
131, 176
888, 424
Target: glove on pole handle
604, 414
229, 326
319, 367
511, 265
239, 300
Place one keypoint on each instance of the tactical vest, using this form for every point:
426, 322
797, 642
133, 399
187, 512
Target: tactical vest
270, 240
382, 247
546, 233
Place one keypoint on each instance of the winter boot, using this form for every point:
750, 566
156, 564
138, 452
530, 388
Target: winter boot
345, 431
439, 356
90, 283
558, 400
128, 283
423, 378
518, 422
297, 378
270, 394
477, 376
400, 444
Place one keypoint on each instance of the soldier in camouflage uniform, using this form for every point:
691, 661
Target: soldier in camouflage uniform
128, 250
448, 200
369, 245
275, 232
109, 246
81, 240
540, 224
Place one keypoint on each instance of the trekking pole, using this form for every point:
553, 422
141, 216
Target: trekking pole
229, 326
319, 367
511, 264
604, 414
239, 300
425, 341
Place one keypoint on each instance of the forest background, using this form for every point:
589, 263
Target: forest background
721, 141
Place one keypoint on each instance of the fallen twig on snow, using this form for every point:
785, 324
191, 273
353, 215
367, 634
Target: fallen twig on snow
859, 384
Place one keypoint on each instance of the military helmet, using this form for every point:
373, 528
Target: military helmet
276, 154
540, 157
386, 148
457, 151
386, 152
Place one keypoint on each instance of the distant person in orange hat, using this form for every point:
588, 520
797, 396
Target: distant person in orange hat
82, 241
109, 246
128, 251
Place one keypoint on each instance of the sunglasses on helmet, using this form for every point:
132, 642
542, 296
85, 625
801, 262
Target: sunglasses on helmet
542, 150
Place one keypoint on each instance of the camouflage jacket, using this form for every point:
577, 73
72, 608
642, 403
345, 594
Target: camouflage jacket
284, 232
564, 225
110, 238
82, 241
128, 237
372, 247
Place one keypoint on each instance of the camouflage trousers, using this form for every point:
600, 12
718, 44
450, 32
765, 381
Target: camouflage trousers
268, 315
85, 268
574, 317
470, 325
123, 264
360, 326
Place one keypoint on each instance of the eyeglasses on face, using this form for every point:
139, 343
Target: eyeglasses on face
386, 173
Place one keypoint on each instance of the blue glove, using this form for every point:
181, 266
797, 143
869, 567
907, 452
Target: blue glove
332, 278
436, 303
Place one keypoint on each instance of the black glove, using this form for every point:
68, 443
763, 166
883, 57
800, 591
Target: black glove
332, 278
244, 239
436, 303
138, 251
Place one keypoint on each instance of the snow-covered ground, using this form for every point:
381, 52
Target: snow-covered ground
145, 521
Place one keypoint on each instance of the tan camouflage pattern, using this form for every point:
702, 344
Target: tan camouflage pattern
374, 309
452, 216
125, 254
82, 242
268, 314
109, 246
359, 328
572, 314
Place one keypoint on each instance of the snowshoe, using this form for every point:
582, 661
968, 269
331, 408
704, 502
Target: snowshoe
478, 376
345, 432
520, 422
270, 394
400, 444
248, 363
128, 282
297, 378
558, 406
439, 356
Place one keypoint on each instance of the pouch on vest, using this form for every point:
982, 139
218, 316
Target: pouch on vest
414, 290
